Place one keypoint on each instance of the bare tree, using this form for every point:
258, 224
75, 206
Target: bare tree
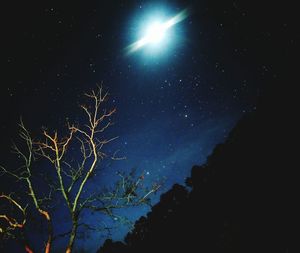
73, 172
23, 174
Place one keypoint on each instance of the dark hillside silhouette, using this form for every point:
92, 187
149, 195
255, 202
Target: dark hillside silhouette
238, 200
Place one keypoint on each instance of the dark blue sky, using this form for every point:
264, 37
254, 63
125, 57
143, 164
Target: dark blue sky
173, 106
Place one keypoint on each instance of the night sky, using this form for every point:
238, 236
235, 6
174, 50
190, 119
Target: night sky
174, 103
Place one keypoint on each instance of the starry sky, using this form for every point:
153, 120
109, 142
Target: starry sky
173, 105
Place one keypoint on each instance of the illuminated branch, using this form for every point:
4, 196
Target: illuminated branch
13, 223
15, 175
55, 149
128, 192
27, 159
75, 159
94, 120
95, 146
59, 150
154, 189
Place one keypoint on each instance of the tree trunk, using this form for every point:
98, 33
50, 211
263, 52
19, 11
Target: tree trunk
73, 233
50, 232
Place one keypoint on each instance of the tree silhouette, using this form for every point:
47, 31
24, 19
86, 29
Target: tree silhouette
72, 172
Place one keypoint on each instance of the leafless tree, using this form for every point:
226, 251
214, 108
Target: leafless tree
73, 172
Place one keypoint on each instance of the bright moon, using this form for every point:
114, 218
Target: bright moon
156, 32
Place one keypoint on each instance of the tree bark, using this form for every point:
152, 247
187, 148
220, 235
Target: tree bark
73, 233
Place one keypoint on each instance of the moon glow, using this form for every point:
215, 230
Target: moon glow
156, 32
